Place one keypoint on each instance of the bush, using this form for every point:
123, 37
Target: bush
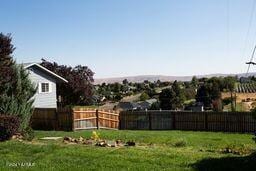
28, 134
9, 125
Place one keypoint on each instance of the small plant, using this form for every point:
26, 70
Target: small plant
95, 136
180, 143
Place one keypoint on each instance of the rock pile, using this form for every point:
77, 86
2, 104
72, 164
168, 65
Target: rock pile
99, 143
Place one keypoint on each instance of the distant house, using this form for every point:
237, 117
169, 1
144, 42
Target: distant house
146, 104
45, 80
124, 106
197, 107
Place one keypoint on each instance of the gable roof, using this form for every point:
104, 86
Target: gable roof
28, 65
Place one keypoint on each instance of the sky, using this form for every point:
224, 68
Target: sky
134, 37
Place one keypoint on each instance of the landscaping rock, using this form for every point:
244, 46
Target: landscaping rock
81, 139
88, 142
67, 139
130, 143
119, 143
17, 136
101, 144
111, 144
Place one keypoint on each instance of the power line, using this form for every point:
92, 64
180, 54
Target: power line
249, 27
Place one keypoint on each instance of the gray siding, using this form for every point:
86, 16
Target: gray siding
43, 100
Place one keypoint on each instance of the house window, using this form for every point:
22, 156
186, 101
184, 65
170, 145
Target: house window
45, 88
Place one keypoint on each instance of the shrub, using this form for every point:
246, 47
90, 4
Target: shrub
9, 125
95, 135
28, 134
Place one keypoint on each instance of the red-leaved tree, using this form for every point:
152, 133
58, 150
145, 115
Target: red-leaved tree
79, 89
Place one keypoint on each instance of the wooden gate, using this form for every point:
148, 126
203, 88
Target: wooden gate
95, 119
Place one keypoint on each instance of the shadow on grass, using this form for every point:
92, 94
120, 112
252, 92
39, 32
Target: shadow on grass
227, 163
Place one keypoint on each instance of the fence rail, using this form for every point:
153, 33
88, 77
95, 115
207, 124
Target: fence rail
197, 121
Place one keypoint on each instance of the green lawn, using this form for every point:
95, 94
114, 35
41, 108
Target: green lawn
155, 150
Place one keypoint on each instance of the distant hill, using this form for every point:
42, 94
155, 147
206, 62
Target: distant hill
152, 78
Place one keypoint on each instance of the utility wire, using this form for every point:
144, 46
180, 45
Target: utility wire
247, 37
246, 40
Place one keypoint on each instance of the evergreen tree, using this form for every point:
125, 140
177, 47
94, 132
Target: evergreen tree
6, 63
179, 95
16, 89
166, 98
20, 102
172, 98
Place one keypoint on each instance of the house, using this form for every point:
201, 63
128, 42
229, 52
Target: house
124, 106
147, 104
197, 107
45, 80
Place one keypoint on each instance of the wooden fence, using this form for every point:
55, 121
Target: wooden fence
196, 121
74, 119
52, 119
78, 119
95, 119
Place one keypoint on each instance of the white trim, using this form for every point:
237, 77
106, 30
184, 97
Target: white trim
50, 87
39, 88
45, 69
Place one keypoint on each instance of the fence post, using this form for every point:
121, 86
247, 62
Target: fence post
72, 119
56, 127
149, 120
97, 118
206, 121
173, 120
119, 123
